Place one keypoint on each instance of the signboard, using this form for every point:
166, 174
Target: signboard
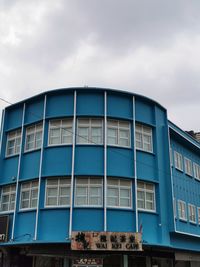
116, 241
4, 228
89, 262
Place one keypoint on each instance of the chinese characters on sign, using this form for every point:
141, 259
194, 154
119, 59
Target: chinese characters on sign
106, 241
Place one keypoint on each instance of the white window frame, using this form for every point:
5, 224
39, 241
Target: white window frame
64, 126
88, 186
182, 210
16, 137
192, 213
59, 186
34, 130
119, 186
198, 214
188, 166
143, 131
196, 168
178, 161
119, 126
145, 190
90, 124
29, 187
10, 192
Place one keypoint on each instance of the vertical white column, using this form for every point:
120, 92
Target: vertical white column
2, 129
72, 171
172, 185
135, 167
105, 161
40, 169
18, 174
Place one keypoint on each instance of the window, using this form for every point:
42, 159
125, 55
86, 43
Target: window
29, 195
174, 203
188, 167
192, 213
196, 171
8, 198
13, 143
198, 212
171, 156
60, 132
90, 131
57, 192
178, 161
119, 193
118, 133
88, 192
33, 137
143, 136
146, 196
182, 210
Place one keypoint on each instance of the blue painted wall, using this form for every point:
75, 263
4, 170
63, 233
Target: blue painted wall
89, 160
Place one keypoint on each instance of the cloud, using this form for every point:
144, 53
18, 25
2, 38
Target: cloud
147, 47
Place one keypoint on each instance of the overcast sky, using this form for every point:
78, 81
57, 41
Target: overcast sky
150, 47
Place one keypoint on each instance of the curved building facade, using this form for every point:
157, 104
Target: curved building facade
86, 180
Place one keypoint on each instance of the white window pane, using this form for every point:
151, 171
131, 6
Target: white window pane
112, 123
141, 195
96, 181
52, 191
54, 141
96, 201
83, 135
52, 182
25, 195
112, 133
149, 206
25, 204
81, 191
112, 201
65, 182
5, 207
82, 181
124, 193
124, 202
149, 196
54, 133
33, 203
141, 204
64, 201
51, 201
113, 182
81, 201
124, 142
112, 192
64, 191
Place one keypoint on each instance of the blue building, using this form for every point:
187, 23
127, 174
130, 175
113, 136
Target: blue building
97, 177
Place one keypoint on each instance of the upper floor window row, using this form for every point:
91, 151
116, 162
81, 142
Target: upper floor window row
88, 131
192, 213
190, 168
88, 193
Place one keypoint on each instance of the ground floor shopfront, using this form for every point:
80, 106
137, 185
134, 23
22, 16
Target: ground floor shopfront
55, 255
